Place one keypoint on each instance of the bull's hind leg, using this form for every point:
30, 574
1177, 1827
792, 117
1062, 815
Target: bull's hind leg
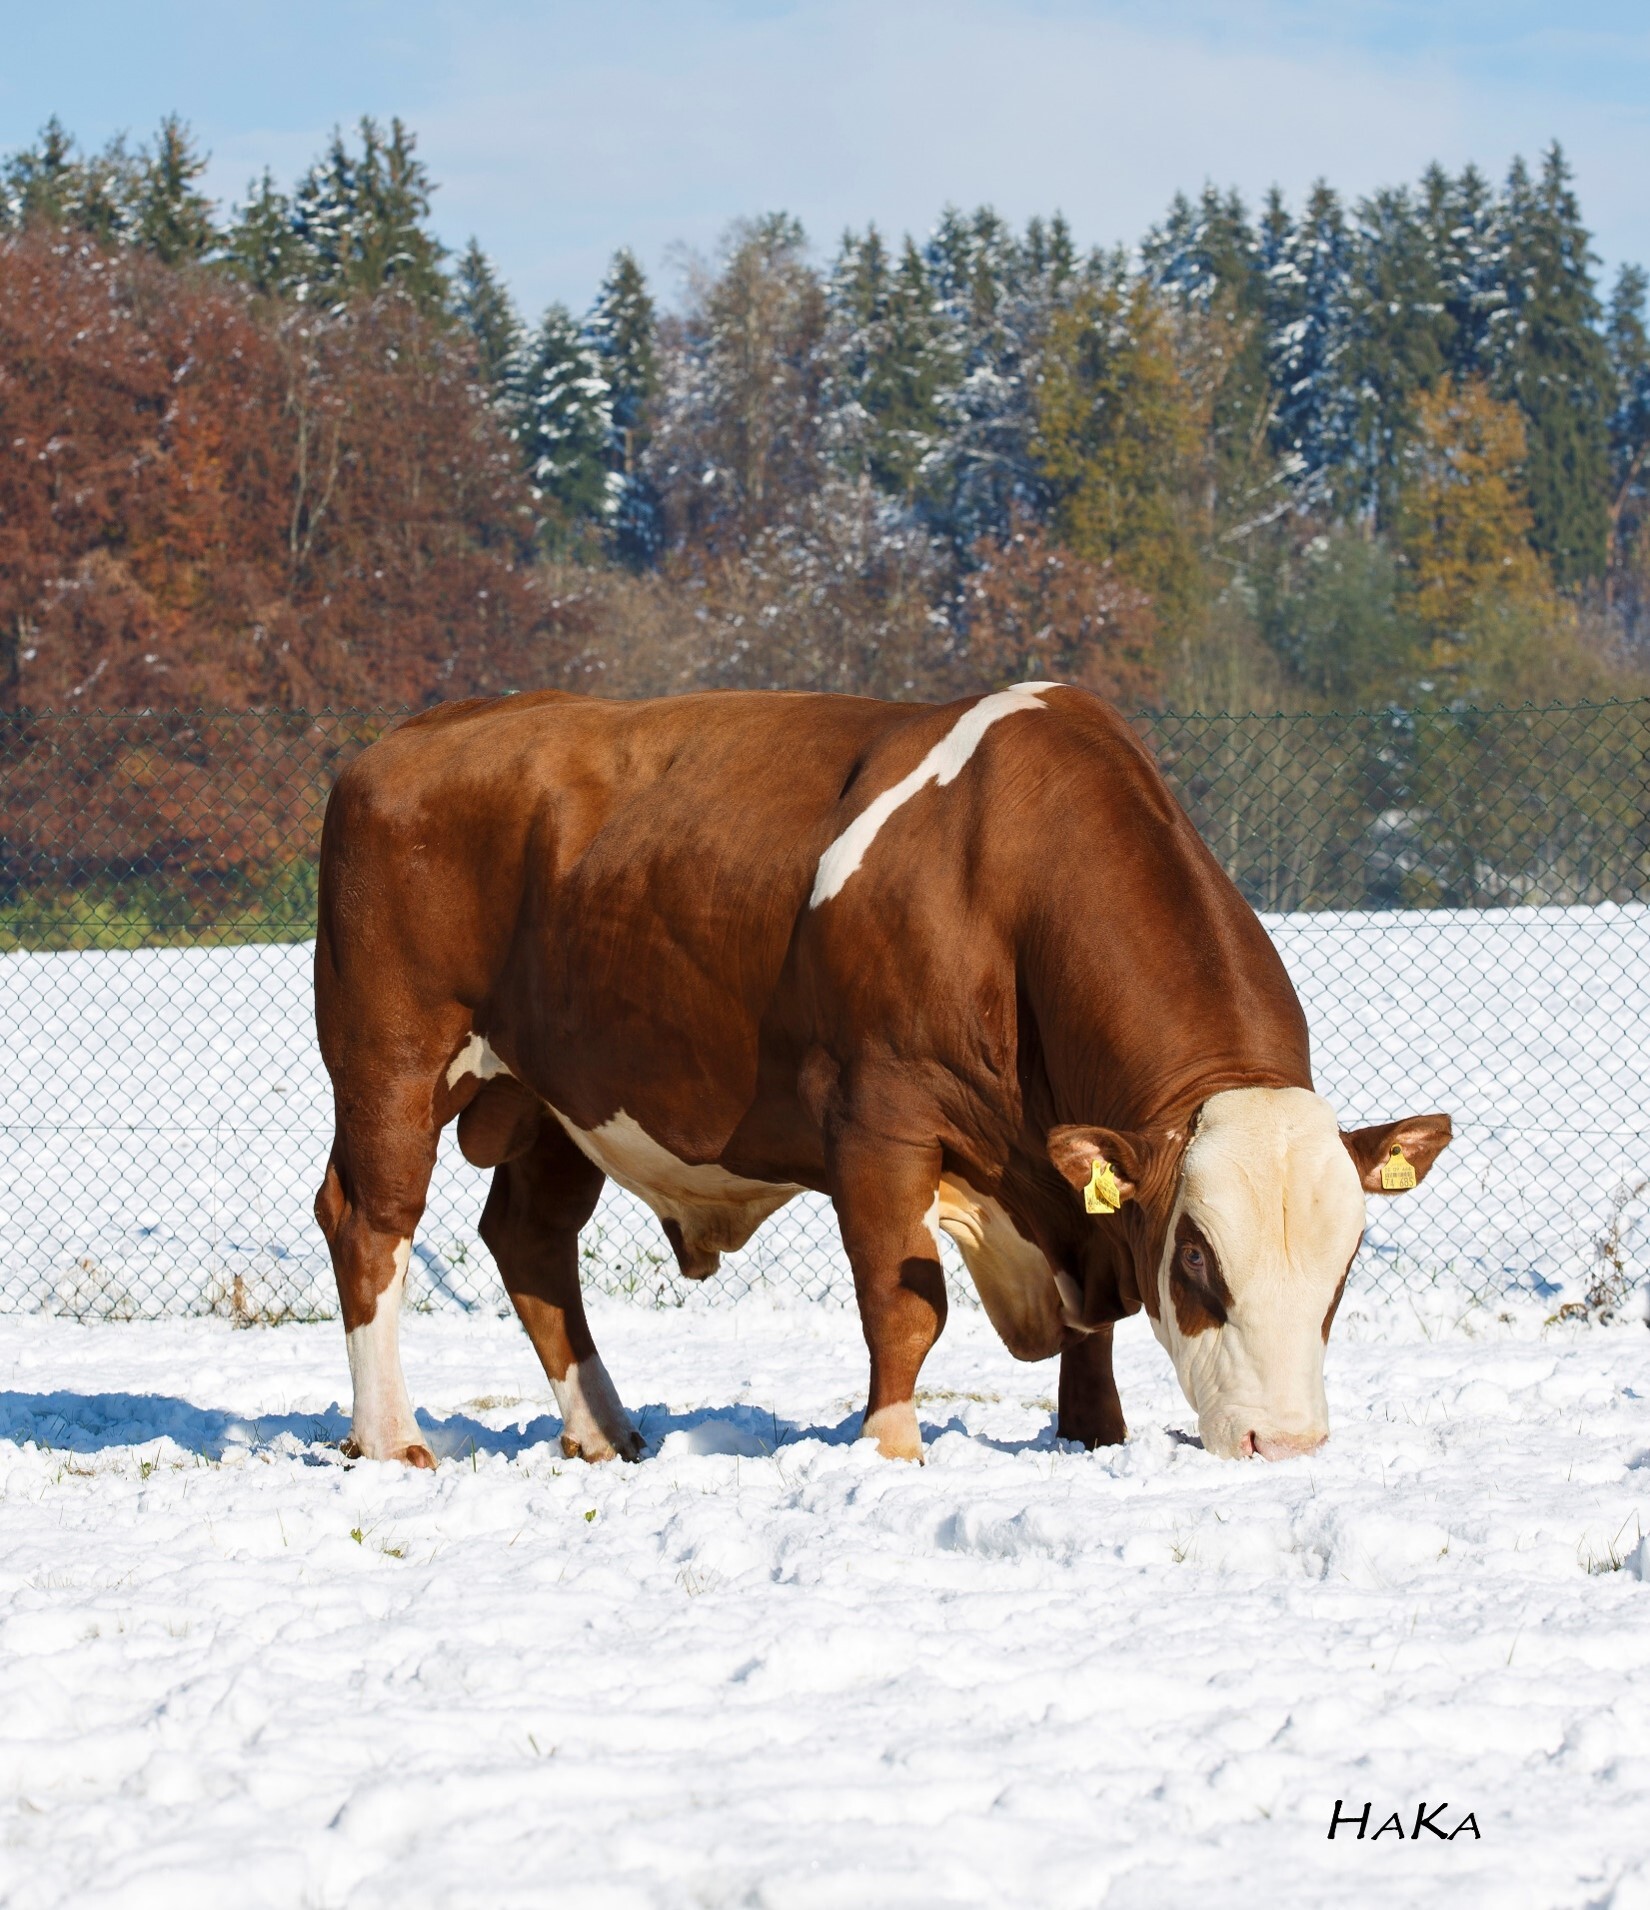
888, 1210
531, 1222
369, 1207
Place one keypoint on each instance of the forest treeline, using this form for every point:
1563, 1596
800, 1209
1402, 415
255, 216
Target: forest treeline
295, 456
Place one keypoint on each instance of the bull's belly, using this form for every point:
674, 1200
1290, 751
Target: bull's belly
1016, 1284
716, 1211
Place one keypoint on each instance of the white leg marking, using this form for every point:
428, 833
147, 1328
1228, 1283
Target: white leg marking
382, 1425
894, 1428
931, 1220
593, 1423
943, 764
475, 1057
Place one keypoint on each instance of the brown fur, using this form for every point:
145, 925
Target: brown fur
617, 898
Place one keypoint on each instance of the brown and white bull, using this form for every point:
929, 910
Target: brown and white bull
964, 968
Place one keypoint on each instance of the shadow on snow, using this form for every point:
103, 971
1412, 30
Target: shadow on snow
103, 1422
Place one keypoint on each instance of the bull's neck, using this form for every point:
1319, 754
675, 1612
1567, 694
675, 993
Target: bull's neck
1143, 1024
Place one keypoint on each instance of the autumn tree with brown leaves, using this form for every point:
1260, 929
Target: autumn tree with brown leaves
212, 503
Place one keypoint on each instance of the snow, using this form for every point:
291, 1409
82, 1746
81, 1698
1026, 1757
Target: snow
165, 1119
764, 1667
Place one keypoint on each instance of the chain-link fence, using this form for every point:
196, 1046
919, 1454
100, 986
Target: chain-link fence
1461, 898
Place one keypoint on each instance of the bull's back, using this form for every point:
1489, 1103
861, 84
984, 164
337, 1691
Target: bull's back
612, 887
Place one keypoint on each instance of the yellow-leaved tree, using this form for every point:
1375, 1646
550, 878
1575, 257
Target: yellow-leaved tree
1118, 429
1493, 628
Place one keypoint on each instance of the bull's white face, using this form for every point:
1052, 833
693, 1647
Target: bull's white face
1267, 1216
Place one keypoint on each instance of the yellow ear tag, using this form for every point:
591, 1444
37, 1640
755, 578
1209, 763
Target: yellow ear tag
1396, 1172
1102, 1195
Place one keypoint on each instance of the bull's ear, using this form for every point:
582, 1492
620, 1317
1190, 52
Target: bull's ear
1397, 1154
1074, 1150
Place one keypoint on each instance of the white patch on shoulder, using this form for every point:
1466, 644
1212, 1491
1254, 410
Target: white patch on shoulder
593, 1423
716, 1211
475, 1057
943, 764
382, 1425
1011, 1274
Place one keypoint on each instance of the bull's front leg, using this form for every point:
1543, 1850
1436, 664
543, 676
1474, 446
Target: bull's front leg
887, 1207
1090, 1411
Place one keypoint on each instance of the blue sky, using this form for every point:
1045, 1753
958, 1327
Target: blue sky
558, 131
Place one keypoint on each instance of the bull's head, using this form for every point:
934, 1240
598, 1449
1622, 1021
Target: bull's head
1249, 1228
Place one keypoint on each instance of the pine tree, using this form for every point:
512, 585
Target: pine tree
1209, 262
1309, 278
39, 180
1629, 346
1397, 346
361, 220
565, 432
263, 247
173, 217
983, 474
1556, 366
1204, 255
891, 366
323, 219
1461, 221
483, 306
623, 331
50, 184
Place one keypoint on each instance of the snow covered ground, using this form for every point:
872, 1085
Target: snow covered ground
164, 1121
764, 1668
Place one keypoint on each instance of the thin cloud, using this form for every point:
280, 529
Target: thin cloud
558, 132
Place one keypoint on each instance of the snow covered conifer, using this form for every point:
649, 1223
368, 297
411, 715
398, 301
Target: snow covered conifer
1629, 346
362, 219
1465, 234
892, 361
623, 331
39, 180
263, 247
1397, 347
482, 304
1309, 278
173, 216
566, 429
51, 184
982, 469
1555, 364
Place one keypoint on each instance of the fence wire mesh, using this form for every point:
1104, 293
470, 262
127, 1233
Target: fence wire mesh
1461, 898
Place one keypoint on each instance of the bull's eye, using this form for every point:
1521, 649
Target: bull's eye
1193, 1260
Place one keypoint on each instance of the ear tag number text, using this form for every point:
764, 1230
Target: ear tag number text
1396, 1172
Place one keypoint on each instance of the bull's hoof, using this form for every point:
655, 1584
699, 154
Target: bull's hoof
417, 1455
894, 1428
595, 1448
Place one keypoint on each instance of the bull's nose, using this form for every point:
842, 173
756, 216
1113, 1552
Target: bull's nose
1285, 1445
